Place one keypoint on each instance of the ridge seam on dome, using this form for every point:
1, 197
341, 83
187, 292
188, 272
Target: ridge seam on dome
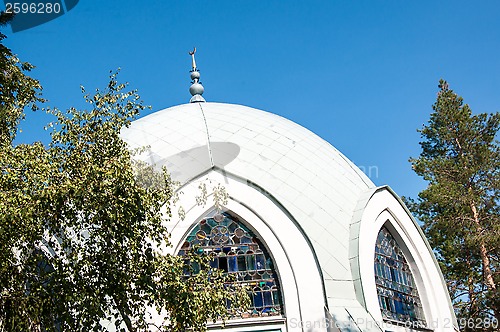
208, 136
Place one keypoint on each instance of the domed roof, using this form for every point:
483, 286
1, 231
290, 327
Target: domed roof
311, 179
316, 187
256, 145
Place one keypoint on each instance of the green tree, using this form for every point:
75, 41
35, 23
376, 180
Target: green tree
460, 208
82, 226
17, 90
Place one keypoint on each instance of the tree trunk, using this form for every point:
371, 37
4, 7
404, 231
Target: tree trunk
487, 274
122, 309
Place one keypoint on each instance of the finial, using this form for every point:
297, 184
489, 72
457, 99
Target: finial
192, 58
196, 89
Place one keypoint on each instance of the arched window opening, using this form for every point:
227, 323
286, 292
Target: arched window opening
396, 289
238, 251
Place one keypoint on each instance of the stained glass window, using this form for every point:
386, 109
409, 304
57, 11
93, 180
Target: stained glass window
236, 250
396, 290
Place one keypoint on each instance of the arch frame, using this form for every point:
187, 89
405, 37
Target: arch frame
295, 263
381, 207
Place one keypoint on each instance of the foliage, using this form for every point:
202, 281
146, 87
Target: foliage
460, 208
82, 232
17, 90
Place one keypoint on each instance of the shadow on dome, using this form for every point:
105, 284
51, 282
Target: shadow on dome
189, 164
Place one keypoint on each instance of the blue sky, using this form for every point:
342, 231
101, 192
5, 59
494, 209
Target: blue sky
361, 74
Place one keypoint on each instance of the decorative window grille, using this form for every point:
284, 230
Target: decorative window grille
396, 289
236, 250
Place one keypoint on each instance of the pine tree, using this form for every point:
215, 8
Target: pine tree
460, 208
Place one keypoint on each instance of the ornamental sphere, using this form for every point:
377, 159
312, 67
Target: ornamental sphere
195, 75
196, 89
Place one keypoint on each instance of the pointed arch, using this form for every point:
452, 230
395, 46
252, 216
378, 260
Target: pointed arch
239, 251
378, 210
295, 262
397, 291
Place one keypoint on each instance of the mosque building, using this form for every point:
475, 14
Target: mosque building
321, 247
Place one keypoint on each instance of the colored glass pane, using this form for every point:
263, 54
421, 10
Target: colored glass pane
396, 289
237, 250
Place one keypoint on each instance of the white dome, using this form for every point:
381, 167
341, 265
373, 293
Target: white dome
318, 213
314, 182
259, 146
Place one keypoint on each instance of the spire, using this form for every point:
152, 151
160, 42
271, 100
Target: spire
196, 89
